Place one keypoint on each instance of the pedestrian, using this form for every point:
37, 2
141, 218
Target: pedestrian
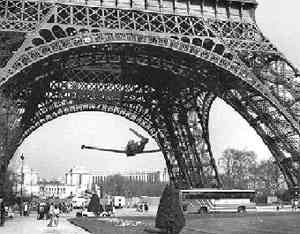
60, 207
296, 204
293, 205
46, 211
56, 213
41, 211
38, 211
26, 209
51, 215
146, 207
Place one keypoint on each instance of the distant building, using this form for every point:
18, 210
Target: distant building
76, 181
30, 185
78, 177
152, 177
61, 180
85, 180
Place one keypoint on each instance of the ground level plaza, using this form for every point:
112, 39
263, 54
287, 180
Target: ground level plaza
30, 225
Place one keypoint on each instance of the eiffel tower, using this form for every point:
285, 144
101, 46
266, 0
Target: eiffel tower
158, 63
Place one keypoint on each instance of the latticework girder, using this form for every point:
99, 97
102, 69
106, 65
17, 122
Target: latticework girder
262, 123
160, 64
97, 81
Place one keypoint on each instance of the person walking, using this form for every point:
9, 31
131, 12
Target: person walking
296, 204
41, 211
51, 215
56, 213
26, 209
46, 211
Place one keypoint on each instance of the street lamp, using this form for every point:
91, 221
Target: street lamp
31, 185
22, 182
5, 107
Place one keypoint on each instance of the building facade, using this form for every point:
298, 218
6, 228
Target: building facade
152, 177
28, 186
85, 180
78, 177
76, 181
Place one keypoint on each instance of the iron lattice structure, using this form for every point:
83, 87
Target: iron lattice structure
159, 63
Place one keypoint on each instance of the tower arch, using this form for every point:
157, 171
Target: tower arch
171, 66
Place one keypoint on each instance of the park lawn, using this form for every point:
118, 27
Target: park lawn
251, 223
100, 226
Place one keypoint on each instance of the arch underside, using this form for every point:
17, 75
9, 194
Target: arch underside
159, 90
111, 82
61, 69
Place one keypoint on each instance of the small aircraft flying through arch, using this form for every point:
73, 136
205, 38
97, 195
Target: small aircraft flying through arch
132, 148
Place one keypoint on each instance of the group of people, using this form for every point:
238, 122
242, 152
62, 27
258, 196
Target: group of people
49, 211
143, 207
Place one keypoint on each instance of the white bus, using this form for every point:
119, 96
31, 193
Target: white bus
217, 200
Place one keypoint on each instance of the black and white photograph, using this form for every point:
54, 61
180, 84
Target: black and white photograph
149, 116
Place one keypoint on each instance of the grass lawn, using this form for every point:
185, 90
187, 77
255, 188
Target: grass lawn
251, 223
105, 226
254, 223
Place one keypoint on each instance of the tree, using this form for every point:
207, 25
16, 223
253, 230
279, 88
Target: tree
116, 185
237, 167
122, 186
268, 175
94, 204
270, 180
240, 169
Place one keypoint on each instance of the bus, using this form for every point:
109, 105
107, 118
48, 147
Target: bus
217, 200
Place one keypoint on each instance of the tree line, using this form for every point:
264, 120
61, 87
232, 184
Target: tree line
119, 185
240, 169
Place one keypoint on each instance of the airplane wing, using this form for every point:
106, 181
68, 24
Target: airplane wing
119, 151
102, 149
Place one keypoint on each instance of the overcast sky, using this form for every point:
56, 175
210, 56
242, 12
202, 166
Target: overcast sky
55, 147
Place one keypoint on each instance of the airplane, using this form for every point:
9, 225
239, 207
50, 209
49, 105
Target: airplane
132, 148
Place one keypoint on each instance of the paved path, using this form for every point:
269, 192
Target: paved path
30, 225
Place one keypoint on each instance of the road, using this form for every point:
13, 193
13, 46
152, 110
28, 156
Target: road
30, 225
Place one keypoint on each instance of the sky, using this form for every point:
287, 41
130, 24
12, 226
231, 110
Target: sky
55, 147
